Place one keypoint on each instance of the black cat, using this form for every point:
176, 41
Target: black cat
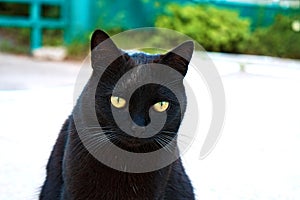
74, 173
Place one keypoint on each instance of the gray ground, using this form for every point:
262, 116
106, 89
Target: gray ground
257, 156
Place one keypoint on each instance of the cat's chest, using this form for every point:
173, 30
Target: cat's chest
133, 186
94, 180
130, 186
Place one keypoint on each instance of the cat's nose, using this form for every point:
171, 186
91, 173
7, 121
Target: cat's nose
138, 130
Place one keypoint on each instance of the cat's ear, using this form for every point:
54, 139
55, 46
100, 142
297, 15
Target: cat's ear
103, 49
98, 37
180, 57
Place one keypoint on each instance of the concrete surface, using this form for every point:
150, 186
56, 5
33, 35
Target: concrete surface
257, 156
21, 72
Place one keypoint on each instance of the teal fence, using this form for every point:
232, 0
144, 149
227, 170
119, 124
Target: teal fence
35, 21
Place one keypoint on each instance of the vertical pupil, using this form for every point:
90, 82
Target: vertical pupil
118, 99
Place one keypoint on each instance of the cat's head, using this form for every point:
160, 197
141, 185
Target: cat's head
139, 94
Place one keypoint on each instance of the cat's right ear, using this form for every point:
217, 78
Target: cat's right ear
180, 57
103, 50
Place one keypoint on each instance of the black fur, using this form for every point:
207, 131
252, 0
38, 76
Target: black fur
74, 174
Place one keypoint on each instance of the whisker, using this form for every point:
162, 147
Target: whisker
93, 138
163, 143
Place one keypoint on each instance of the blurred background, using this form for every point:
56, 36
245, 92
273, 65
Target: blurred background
261, 27
254, 44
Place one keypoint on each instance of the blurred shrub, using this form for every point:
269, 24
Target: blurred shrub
15, 40
79, 48
53, 37
113, 31
214, 29
50, 11
278, 40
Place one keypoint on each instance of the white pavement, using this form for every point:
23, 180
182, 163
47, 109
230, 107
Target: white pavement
256, 158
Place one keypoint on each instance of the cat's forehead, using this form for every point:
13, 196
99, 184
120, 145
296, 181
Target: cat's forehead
138, 75
140, 69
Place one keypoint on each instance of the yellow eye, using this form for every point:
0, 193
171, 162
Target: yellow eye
161, 106
117, 102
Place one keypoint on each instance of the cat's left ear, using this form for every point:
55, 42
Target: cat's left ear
180, 57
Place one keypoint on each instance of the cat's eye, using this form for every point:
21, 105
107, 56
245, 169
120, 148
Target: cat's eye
161, 106
117, 102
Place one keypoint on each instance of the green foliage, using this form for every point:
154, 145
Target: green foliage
214, 29
53, 37
7, 46
15, 40
114, 31
277, 40
50, 11
79, 47
77, 50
